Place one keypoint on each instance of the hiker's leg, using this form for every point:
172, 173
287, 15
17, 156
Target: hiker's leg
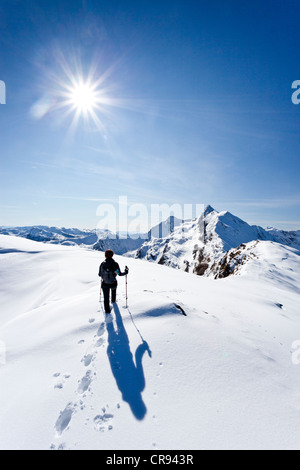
106, 299
113, 294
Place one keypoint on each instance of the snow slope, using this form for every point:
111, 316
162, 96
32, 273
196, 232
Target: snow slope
221, 377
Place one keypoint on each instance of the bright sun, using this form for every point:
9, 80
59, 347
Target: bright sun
83, 97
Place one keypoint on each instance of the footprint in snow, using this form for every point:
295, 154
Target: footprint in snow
64, 419
61, 446
59, 386
85, 382
108, 318
99, 342
102, 422
101, 330
87, 359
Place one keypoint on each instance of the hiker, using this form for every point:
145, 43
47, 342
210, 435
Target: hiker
108, 272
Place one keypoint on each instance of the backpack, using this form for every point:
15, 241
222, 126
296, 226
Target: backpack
108, 272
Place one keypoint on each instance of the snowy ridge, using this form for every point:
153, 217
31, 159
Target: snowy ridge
291, 238
268, 260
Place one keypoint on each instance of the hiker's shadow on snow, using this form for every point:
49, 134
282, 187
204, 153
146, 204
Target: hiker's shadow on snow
129, 375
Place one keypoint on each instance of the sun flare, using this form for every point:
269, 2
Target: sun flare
79, 97
87, 100
83, 97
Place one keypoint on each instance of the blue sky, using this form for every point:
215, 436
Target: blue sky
198, 108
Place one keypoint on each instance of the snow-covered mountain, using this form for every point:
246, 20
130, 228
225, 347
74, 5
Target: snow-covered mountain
62, 236
94, 239
223, 376
200, 245
164, 229
289, 238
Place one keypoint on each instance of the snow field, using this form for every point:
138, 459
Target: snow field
147, 377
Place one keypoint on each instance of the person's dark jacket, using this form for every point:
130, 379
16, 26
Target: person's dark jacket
114, 268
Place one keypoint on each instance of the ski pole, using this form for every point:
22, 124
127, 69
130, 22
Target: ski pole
126, 293
100, 294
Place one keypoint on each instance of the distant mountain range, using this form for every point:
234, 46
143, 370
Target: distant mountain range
94, 239
203, 246
63, 236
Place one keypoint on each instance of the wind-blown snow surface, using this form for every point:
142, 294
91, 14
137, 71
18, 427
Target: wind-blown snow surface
221, 377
